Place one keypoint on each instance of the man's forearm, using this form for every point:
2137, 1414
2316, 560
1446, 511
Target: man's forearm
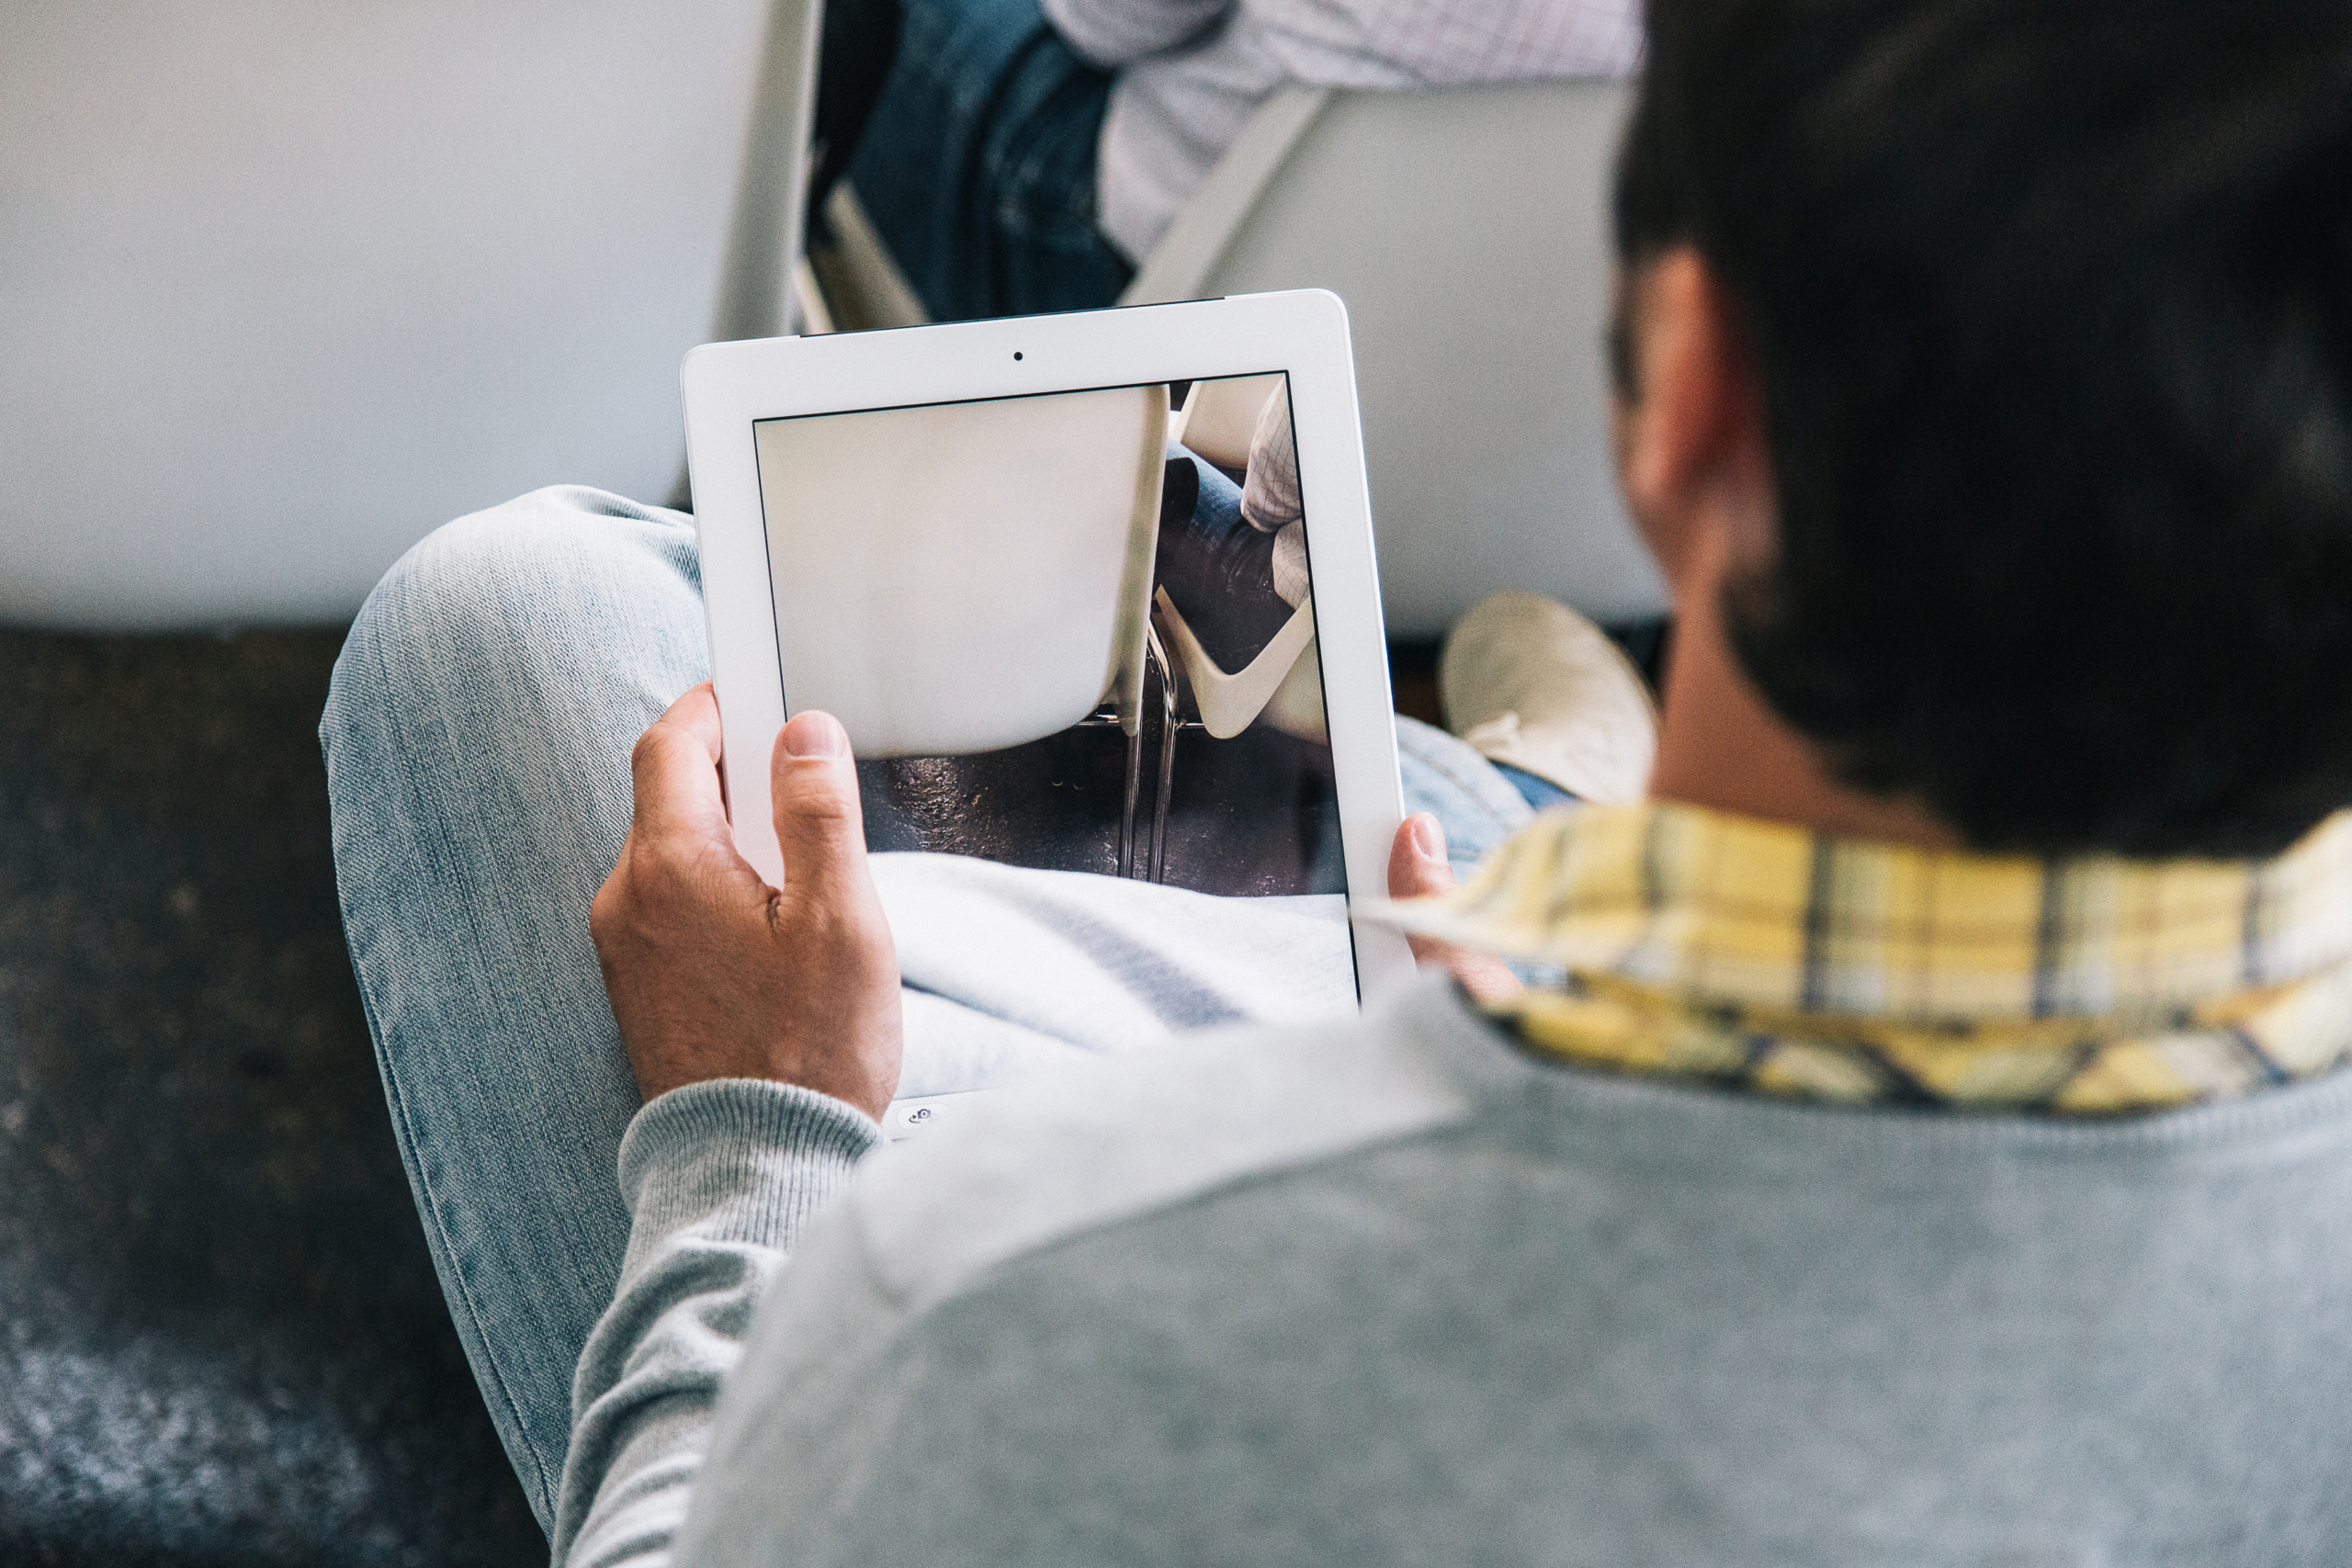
719, 1177
1111, 33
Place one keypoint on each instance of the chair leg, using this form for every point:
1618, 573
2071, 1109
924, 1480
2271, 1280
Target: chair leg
1167, 779
1127, 816
1167, 753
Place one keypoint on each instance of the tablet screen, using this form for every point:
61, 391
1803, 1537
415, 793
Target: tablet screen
1072, 630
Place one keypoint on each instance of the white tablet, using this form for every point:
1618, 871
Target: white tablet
1090, 593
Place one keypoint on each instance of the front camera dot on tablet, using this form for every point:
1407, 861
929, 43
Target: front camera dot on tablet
1016, 354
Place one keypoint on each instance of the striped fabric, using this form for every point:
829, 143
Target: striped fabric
1759, 956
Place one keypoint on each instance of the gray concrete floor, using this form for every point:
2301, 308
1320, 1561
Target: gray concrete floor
220, 1340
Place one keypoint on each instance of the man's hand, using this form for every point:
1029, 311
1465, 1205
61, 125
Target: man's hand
713, 974
1417, 868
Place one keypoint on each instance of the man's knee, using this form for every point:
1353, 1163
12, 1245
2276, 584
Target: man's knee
496, 574
476, 596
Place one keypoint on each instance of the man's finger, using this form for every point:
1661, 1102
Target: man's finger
1417, 869
673, 771
1417, 863
697, 711
818, 820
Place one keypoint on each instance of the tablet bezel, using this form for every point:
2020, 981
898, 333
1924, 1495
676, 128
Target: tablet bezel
728, 387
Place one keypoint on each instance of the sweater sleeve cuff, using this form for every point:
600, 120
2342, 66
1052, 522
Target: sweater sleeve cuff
740, 1160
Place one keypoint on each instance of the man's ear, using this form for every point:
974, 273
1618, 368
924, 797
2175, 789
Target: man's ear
1687, 421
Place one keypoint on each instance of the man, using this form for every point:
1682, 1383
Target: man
1938, 1151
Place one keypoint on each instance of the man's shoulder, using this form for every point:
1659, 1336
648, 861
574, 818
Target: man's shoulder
1110, 1142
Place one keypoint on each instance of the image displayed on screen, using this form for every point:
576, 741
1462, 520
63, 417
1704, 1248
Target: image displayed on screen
1073, 630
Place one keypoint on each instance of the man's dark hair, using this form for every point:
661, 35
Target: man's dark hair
2050, 304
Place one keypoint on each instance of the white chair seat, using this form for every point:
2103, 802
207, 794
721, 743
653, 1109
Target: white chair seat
964, 577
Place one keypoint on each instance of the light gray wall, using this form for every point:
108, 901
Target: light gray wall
284, 284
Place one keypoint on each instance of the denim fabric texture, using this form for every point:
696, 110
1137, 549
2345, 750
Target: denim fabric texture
978, 164
1539, 792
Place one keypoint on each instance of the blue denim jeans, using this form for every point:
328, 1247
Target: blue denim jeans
978, 164
476, 741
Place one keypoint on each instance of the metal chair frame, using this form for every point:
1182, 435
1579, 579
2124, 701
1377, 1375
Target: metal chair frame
1155, 866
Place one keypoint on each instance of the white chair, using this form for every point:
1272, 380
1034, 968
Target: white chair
284, 286
972, 577
1468, 231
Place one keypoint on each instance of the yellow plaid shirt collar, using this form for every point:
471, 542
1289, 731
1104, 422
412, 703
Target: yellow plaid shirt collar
1755, 956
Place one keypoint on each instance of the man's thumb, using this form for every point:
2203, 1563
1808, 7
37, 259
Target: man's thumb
817, 821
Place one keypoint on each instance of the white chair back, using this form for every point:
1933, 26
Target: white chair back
1468, 231
284, 286
969, 577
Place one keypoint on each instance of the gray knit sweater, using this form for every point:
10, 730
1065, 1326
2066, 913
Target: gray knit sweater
1388, 1291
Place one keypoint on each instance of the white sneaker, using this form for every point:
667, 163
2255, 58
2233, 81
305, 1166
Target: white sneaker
1528, 681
